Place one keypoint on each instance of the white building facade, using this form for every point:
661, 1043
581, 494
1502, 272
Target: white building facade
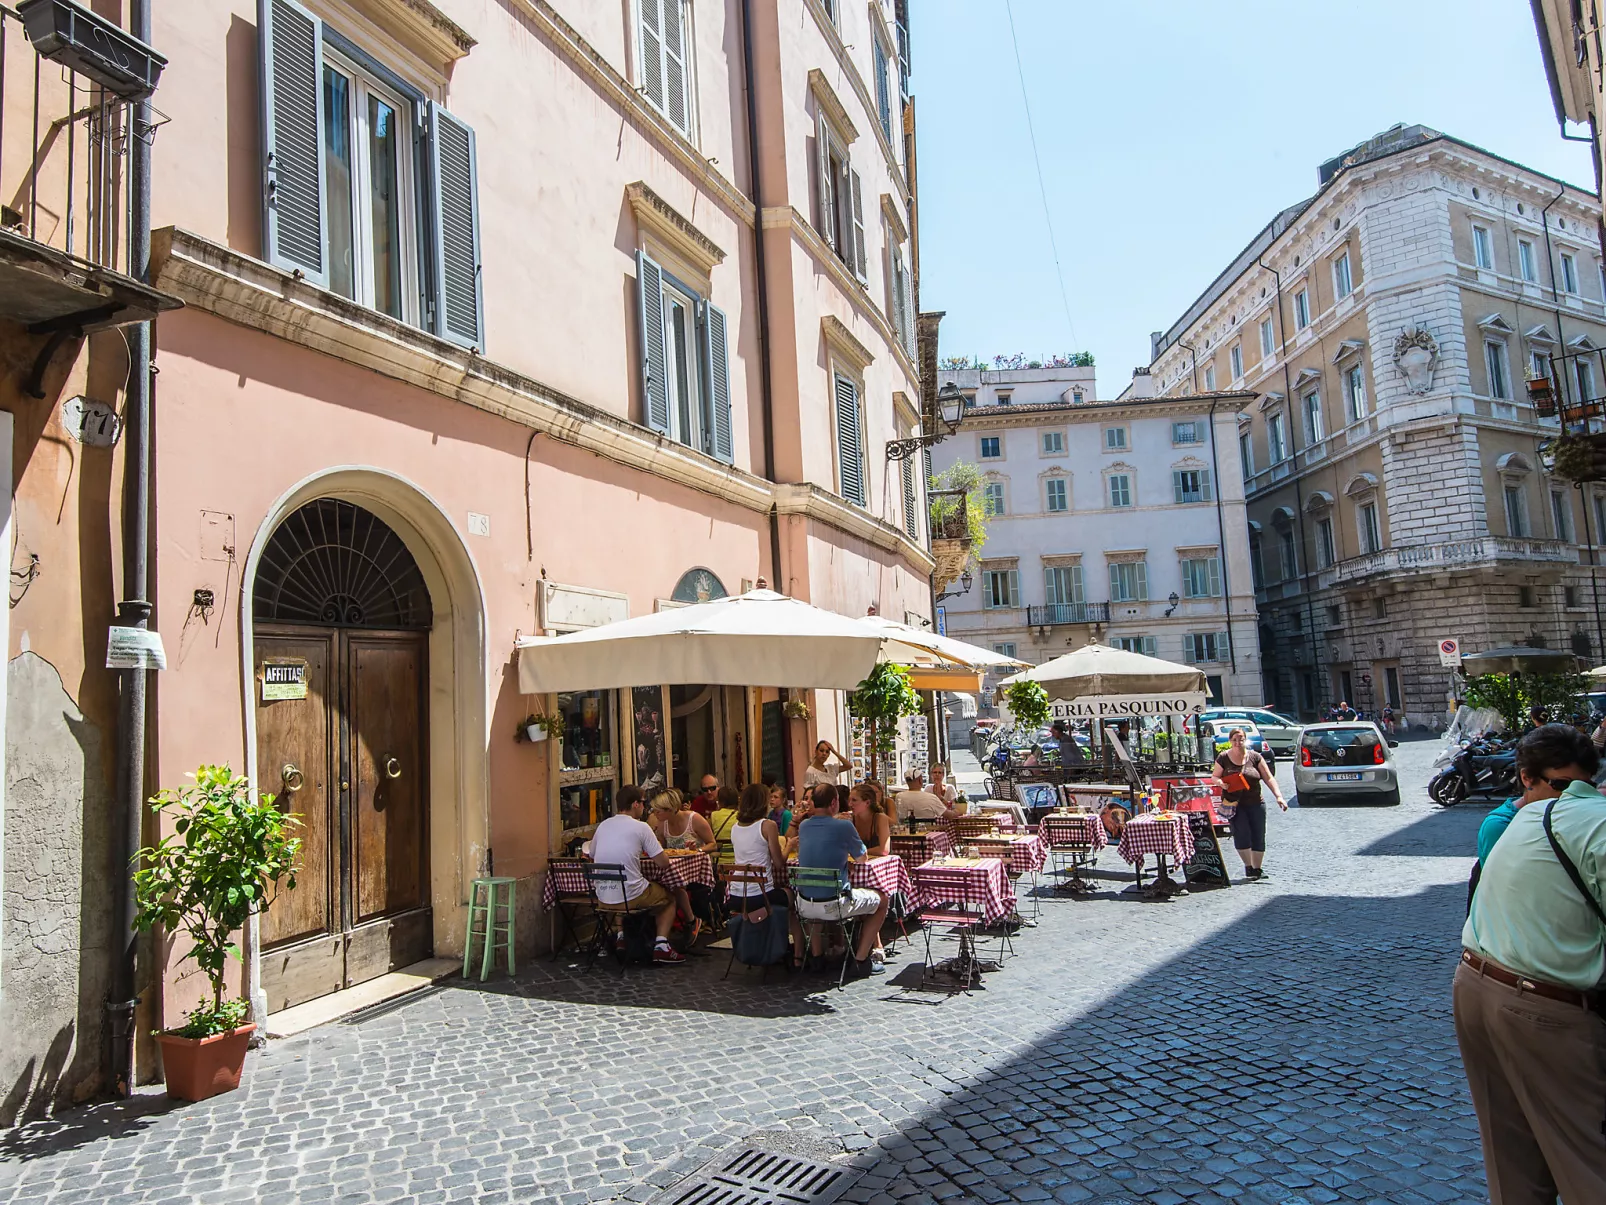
1118, 521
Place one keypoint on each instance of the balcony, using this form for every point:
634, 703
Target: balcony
1482, 552
64, 266
1060, 615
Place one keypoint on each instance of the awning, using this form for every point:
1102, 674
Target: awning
964, 680
1098, 669
945, 647
1519, 659
760, 638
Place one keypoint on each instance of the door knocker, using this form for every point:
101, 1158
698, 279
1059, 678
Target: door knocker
291, 778
392, 767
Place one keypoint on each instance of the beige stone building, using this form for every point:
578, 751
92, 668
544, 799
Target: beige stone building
1396, 494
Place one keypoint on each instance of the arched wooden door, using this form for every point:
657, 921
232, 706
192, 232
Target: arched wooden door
341, 619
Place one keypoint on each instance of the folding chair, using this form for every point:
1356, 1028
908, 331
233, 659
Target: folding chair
1070, 853
828, 883
911, 847
743, 874
574, 899
1001, 850
608, 921
962, 918
969, 828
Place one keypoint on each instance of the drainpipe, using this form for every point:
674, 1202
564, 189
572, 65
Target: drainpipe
1221, 534
765, 371
1550, 262
135, 609
1299, 494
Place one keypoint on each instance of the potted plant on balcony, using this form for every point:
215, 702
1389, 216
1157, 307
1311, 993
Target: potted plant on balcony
223, 858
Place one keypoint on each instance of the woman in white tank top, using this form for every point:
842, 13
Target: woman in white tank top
756, 841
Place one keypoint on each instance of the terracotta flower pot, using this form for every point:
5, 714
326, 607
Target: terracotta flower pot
200, 1067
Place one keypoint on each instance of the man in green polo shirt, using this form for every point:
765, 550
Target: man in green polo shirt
1528, 990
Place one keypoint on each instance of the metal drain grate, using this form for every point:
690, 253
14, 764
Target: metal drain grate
749, 1175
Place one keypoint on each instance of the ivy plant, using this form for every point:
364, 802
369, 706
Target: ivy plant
225, 857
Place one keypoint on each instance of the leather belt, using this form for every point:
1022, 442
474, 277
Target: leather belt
1493, 970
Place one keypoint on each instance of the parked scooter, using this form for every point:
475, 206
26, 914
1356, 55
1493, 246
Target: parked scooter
1482, 768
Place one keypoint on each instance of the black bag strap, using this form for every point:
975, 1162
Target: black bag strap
1570, 868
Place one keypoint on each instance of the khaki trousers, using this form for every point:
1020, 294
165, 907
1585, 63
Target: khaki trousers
1537, 1071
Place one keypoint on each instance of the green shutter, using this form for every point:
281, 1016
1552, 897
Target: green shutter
654, 356
294, 235
716, 375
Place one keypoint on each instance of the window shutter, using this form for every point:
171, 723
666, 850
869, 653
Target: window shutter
717, 378
1014, 587
294, 235
1115, 584
1141, 574
1176, 484
859, 263
1189, 653
1215, 576
654, 358
1223, 646
459, 291
674, 63
1204, 485
827, 225
1076, 584
899, 314
910, 523
652, 52
882, 99
910, 341
850, 463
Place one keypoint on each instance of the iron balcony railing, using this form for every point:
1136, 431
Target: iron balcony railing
1058, 615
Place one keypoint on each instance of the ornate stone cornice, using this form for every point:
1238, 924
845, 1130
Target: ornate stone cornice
420, 25
825, 96
815, 503
663, 219
841, 341
895, 223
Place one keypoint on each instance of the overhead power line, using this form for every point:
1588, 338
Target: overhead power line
1042, 188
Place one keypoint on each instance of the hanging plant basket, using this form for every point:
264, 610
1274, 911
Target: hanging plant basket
796, 709
1577, 457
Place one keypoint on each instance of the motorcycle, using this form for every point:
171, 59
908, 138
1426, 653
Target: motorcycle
1483, 767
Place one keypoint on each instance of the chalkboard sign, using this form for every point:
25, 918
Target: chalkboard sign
1207, 867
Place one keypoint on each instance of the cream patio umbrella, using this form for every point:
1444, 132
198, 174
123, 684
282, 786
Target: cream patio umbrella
944, 647
760, 638
1096, 670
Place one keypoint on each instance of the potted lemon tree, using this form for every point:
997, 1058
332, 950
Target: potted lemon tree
226, 854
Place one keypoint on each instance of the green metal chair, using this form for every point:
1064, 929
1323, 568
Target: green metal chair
818, 881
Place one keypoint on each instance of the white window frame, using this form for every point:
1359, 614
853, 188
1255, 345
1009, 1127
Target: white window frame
981, 446
1315, 423
1482, 248
1287, 554
1135, 590
1246, 452
1368, 526
1203, 490
1268, 339
1051, 443
1355, 392
1193, 425
1561, 515
1235, 358
1584, 378
1062, 585
1527, 261
1064, 492
363, 85
1301, 309
1343, 280
1326, 543
1011, 582
1200, 571
1119, 435
1276, 438
1210, 378
698, 434
1497, 368
1569, 273
994, 498
1514, 501
687, 68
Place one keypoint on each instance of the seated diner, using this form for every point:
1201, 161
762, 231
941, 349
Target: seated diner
870, 819
623, 840
920, 803
827, 841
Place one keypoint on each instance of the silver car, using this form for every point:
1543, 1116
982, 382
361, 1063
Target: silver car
1345, 763
1280, 732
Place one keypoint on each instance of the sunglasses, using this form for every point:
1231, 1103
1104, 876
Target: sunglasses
1560, 784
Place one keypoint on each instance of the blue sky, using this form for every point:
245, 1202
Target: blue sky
1170, 133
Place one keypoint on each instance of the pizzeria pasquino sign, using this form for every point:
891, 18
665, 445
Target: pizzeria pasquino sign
1125, 707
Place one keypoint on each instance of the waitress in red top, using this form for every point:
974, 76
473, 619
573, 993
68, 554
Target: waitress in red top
1242, 772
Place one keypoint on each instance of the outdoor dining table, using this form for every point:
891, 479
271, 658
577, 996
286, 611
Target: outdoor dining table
1166, 835
1080, 835
886, 874
684, 869
975, 886
1025, 855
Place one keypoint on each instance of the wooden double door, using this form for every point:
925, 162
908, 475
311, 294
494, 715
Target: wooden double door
342, 742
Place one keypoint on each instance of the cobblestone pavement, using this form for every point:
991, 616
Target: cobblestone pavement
1287, 1042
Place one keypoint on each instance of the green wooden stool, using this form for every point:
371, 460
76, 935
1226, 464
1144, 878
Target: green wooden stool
485, 896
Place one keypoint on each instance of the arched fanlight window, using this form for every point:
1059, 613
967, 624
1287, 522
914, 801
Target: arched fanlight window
334, 564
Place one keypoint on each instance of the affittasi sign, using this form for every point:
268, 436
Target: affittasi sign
1127, 707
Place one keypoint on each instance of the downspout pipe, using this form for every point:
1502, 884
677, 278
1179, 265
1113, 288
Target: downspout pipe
765, 368
1299, 494
135, 608
1221, 534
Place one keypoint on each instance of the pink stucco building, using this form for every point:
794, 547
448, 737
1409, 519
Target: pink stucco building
499, 317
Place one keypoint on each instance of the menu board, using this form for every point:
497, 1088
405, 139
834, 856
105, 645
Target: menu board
1207, 867
647, 731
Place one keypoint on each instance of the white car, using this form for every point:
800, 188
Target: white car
1347, 762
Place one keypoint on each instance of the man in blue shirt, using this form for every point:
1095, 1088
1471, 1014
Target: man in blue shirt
826, 841
1529, 1011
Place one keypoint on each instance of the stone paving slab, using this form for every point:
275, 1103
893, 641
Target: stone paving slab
1282, 1043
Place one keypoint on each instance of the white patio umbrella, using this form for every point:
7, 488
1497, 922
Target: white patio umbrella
760, 638
946, 647
1098, 669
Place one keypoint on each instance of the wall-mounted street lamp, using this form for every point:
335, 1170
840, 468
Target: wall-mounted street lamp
950, 413
1174, 600
966, 581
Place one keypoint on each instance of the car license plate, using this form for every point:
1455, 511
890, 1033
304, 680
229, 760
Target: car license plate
1343, 778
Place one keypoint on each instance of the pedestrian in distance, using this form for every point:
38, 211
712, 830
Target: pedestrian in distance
1243, 773
1530, 1015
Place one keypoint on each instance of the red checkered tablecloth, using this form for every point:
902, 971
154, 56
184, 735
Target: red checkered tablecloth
886, 874
683, 871
1167, 836
1074, 830
982, 884
1024, 854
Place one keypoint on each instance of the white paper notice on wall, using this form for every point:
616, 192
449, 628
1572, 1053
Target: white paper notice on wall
478, 524
134, 648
